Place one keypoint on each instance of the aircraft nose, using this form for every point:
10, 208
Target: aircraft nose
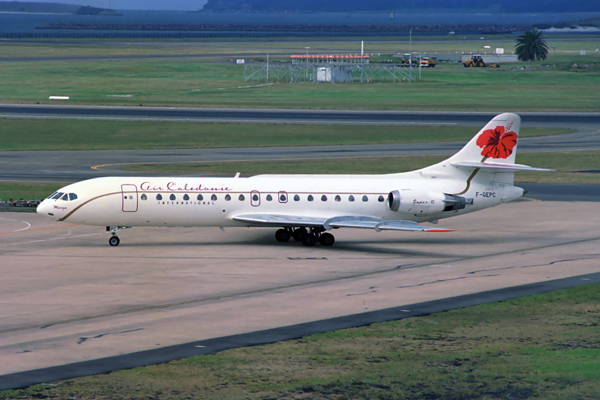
44, 208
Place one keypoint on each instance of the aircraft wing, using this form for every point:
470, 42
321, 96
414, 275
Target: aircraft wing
350, 221
279, 220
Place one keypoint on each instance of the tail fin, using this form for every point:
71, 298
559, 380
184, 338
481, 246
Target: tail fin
488, 157
496, 142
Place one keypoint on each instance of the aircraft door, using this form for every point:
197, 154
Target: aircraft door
129, 198
255, 198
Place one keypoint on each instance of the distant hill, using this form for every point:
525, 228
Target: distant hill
18, 6
53, 8
502, 6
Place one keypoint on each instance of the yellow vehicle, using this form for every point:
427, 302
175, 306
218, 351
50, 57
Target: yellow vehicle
430, 62
477, 61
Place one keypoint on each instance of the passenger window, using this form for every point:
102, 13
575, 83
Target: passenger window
350, 198
310, 197
158, 197
227, 197
365, 198
72, 196
380, 199
144, 197
172, 197
200, 198
323, 198
213, 197
242, 198
296, 198
338, 198
282, 197
255, 197
186, 197
269, 197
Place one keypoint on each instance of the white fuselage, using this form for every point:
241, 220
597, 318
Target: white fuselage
193, 201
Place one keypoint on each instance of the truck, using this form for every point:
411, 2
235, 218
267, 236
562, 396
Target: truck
407, 59
429, 62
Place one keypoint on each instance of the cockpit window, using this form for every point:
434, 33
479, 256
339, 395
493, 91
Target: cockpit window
49, 197
65, 197
72, 196
57, 195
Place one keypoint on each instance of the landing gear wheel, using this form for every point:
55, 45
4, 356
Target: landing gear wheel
114, 241
327, 239
299, 234
282, 235
309, 240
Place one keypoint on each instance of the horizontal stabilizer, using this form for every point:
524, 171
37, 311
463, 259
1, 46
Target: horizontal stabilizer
497, 167
351, 221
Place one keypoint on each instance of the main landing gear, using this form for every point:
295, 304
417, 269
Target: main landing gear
114, 239
308, 238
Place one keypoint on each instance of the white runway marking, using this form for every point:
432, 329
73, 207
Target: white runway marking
23, 222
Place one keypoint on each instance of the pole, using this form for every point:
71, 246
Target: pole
267, 67
362, 48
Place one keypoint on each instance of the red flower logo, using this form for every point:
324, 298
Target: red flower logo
497, 143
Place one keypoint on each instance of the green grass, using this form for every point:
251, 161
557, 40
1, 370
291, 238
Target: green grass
217, 82
27, 191
543, 346
23, 134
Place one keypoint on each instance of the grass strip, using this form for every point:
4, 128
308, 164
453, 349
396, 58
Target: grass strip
213, 83
27, 190
27, 134
543, 346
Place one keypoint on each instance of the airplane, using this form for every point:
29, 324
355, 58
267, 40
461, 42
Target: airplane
306, 207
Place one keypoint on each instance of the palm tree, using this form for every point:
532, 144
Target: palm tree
531, 46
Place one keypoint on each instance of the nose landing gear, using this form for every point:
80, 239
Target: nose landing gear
114, 239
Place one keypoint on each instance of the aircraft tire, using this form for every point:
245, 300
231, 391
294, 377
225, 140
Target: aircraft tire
282, 235
299, 234
327, 239
309, 240
114, 241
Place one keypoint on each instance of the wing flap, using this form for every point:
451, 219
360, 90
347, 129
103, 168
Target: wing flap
350, 221
279, 220
408, 226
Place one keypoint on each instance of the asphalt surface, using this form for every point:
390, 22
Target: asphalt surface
288, 116
211, 346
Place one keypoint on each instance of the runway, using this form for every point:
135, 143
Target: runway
70, 298
287, 116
